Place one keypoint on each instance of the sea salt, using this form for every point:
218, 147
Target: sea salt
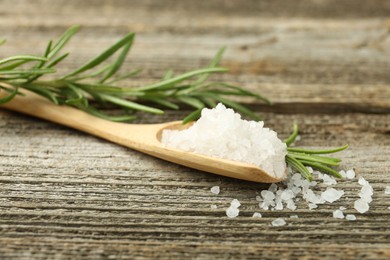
361, 205
331, 194
213, 206
232, 212
215, 190
338, 214
278, 222
350, 217
350, 174
257, 215
235, 203
294, 216
387, 190
220, 132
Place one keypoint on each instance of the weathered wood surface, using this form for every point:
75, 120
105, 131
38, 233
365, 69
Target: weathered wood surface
325, 64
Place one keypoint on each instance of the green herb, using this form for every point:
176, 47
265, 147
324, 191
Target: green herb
299, 158
95, 83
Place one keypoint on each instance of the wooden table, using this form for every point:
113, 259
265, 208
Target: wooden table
325, 64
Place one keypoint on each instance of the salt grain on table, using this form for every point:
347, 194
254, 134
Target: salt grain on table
387, 190
215, 190
278, 222
257, 215
350, 217
338, 214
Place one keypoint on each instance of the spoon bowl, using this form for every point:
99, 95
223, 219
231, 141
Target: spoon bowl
145, 138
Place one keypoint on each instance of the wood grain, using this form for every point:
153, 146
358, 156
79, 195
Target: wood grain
325, 64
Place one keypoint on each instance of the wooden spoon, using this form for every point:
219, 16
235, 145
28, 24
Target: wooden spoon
142, 137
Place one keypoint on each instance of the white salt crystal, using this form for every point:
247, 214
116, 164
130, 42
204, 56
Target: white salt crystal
312, 206
362, 181
350, 217
222, 133
328, 180
257, 215
361, 205
232, 212
387, 190
342, 208
279, 206
294, 216
343, 174
278, 222
273, 187
215, 190
213, 206
259, 198
235, 203
267, 195
331, 194
287, 195
291, 205
366, 192
350, 174
309, 169
338, 214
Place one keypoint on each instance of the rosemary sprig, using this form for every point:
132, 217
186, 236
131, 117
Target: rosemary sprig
96, 83
299, 158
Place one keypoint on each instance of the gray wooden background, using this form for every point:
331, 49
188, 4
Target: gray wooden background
325, 64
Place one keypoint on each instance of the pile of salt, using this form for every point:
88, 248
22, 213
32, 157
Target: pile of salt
220, 132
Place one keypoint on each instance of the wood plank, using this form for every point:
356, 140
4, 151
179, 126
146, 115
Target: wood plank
67, 195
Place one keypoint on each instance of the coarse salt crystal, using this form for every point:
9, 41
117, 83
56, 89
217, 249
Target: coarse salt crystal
361, 205
329, 180
350, 174
278, 222
235, 203
338, 214
362, 181
215, 190
387, 190
350, 217
294, 216
331, 194
213, 206
342, 208
313, 206
221, 133
232, 212
257, 215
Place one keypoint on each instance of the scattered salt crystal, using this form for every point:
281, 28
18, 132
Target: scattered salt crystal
342, 208
220, 132
366, 192
361, 205
259, 198
273, 187
215, 190
331, 194
291, 205
350, 174
309, 169
232, 212
294, 216
350, 217
279, 205
235, 203
267, 195
338, 214
387, 190
278, 222
257, 215
313, 206
362, 181
328, 180
213, 206
343, 174
287, 195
